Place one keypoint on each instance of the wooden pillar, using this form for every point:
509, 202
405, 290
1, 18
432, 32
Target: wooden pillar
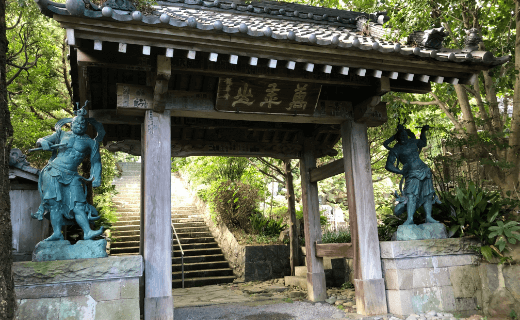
293, 235
369, 283
316, 287
156, 232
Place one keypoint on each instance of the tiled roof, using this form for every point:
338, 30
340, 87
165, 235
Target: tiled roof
280, 21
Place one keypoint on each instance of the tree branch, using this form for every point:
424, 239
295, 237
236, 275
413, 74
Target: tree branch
270, 165
264, 172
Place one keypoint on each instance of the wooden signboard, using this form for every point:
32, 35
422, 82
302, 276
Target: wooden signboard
245, 95
134, 96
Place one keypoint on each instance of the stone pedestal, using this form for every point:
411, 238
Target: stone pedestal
421, 232
63, 250
88, 289
425, 275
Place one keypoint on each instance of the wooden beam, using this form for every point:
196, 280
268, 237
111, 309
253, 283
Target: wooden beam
326, 171
371, 115
164, 71
316, 288
363, 220
201, 105
157, 252
339, 250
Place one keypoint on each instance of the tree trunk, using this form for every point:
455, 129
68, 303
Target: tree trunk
513, 156
7, 297
467, 114
293, 235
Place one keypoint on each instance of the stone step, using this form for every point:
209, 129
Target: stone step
126, 228
201, 252
124, 250
203, 273
124, 244
196, 245
300, 271
193, 234
125, 233
199, 282
200, 266
296, 281
120, 223
189, 230
186, 220
177, 226
201, 258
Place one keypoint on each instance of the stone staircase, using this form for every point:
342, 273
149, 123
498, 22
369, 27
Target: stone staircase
204, 262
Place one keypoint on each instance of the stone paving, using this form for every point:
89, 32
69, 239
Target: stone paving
272, 292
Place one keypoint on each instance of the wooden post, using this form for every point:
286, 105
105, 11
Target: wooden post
157, 254
293, 235
316, 287
369, 283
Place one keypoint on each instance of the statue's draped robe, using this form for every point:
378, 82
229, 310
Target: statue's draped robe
418, 182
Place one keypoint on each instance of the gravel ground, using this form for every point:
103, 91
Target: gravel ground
279, 311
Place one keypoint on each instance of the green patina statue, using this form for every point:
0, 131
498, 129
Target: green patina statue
418, 187
62, 189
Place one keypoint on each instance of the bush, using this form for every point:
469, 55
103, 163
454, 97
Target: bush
338, 236
233, 203
474, 211
267, 227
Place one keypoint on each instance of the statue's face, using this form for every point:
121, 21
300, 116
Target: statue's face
79, 125
401, 135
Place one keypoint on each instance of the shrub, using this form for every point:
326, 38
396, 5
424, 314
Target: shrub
267, 227
233, 203
338, 236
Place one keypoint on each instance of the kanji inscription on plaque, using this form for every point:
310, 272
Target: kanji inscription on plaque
266, 96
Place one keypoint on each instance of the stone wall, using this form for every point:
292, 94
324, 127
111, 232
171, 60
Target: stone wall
499, 290
423, 275
104, 288
249, 263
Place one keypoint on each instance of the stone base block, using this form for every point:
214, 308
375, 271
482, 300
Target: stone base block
423, 275
63, 250
421, 232
158, 308
316, 286
86, 289
370, 296
296, 281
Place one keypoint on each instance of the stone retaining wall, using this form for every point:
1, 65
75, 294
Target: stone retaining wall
249, 263
498, 292
104, 288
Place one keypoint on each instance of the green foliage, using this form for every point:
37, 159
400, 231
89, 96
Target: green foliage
234, 203
474, 211
338, 236
388, 226
104, 194
267, 227
323, 219
347, 285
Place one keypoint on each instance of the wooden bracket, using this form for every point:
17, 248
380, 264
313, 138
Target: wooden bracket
164, 72
371, 112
